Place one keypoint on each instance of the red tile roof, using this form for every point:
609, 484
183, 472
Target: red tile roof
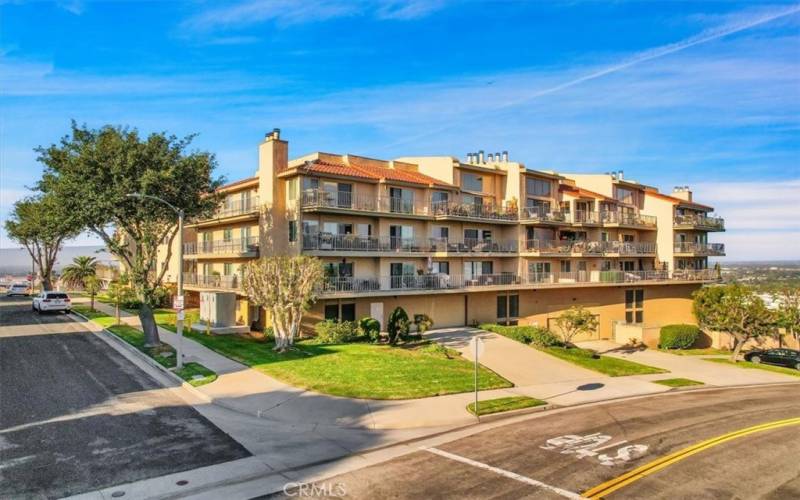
372, 172
584, 192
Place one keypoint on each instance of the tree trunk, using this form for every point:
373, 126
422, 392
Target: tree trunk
149, 326
47, 284
116, 313
737, 349
91, 302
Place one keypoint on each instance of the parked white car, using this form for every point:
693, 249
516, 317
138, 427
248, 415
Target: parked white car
52, 301
18, 289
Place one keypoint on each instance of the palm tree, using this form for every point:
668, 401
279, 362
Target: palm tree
73, 275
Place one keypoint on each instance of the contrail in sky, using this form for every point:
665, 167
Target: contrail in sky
647, 55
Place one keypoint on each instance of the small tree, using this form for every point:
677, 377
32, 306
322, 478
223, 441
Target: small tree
38, 224
398, 325
789, 311
736, 310
82, 267
91, 284
118, 293
575, 321
286, 287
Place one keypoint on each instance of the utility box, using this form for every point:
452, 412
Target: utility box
218, 309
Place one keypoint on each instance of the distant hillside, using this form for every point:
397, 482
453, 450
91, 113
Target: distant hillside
16, 261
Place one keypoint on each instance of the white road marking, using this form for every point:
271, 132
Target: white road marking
611, 445
505, 473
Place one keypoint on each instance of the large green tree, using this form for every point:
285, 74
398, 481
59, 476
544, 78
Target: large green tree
91, 172
789, 311
74, 274
734, 309
39, 224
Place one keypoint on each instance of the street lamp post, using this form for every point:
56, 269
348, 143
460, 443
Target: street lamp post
179, 320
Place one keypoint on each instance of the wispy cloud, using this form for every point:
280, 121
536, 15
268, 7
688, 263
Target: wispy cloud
75, 7
290, 12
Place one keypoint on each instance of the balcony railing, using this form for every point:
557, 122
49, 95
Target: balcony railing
223, 282
237, 246
541, 214
240, 206
442, 282
354, 243
590, 247
585, 217
346, 200
700, 248
700, 221
470, 210
627, 218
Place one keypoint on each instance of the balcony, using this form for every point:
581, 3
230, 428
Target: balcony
589, 248
444, 283
699, 249
346, 201
212, 281
489, 212
618, 218
541, 215
585, 217
246, 247
241, 209
322, 243
699, 222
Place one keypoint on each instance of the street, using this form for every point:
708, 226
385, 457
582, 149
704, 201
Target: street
76, 416
568, 453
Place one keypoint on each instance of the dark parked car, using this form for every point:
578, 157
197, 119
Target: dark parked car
783, 357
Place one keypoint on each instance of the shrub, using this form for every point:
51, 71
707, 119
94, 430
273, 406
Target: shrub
334, 332
370, 328
678, 336
535, 335
398, 326
439, 350
423, 322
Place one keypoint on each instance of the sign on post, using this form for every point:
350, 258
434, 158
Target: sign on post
476, 348
181, 314
177, 303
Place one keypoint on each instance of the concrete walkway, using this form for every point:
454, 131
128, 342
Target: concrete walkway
516, 362
691, 367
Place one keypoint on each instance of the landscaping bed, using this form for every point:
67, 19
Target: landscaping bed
677, 382
164, 354
708, 351
504, 404
758, 366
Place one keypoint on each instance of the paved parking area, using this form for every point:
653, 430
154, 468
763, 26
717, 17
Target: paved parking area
76, 416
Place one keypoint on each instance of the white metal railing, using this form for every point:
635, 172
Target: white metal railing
354, 243
700, 221
585, 217
542, 214
241, 206
442, 281
560, 247
347, 200
487, 211
228, 282
237, 246
700, 248
627, 218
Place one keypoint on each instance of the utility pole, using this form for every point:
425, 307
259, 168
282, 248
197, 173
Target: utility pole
180, 312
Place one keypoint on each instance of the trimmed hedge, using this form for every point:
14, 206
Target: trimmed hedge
370, 328
535, 335
678, 336
335, 332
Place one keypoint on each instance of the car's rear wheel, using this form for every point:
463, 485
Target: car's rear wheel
797, 366
756, 359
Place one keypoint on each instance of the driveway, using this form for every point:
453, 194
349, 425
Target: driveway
692, 367
77, 416
519, 363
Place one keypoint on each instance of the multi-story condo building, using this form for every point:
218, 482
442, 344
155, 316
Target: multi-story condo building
480, 240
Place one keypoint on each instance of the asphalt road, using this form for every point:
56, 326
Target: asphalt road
564, 454
75, 416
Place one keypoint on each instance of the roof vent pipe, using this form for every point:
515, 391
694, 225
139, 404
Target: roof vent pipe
505, 156
469, 157
276, 133
491, 157
620, 175
480, 157
497, 157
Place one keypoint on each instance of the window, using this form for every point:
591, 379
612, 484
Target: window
332, 312
604, 236
537, 208
627, 265
291, 189
292, 230
364, 230
507, 308
340, 312
471, 235
605, 265
513, 306
227, 269
624, 195
401, 200
227, 235
502, 307
310, 227
400, 236
442, 232
628, 238
337, 228
440, 268
539, 271
471, 182
566, 266
634, 306
339, 269
537, 187
486, 234
348, 312
439, 197
310, 183
473, 269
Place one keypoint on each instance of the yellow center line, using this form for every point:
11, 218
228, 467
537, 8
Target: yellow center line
604, 489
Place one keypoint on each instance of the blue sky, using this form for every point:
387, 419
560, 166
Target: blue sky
674, 92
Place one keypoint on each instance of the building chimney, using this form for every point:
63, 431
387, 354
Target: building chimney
480, 157
505, 156
497, 157
469, 157
276, 133
620, 175
491, 157
682, 192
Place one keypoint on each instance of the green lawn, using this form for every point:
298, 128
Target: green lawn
504, 404
366, 371
613, 367
758, 366
164, 354
677, 382
708, 351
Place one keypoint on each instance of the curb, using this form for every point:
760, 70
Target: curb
111, 338
515, 413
